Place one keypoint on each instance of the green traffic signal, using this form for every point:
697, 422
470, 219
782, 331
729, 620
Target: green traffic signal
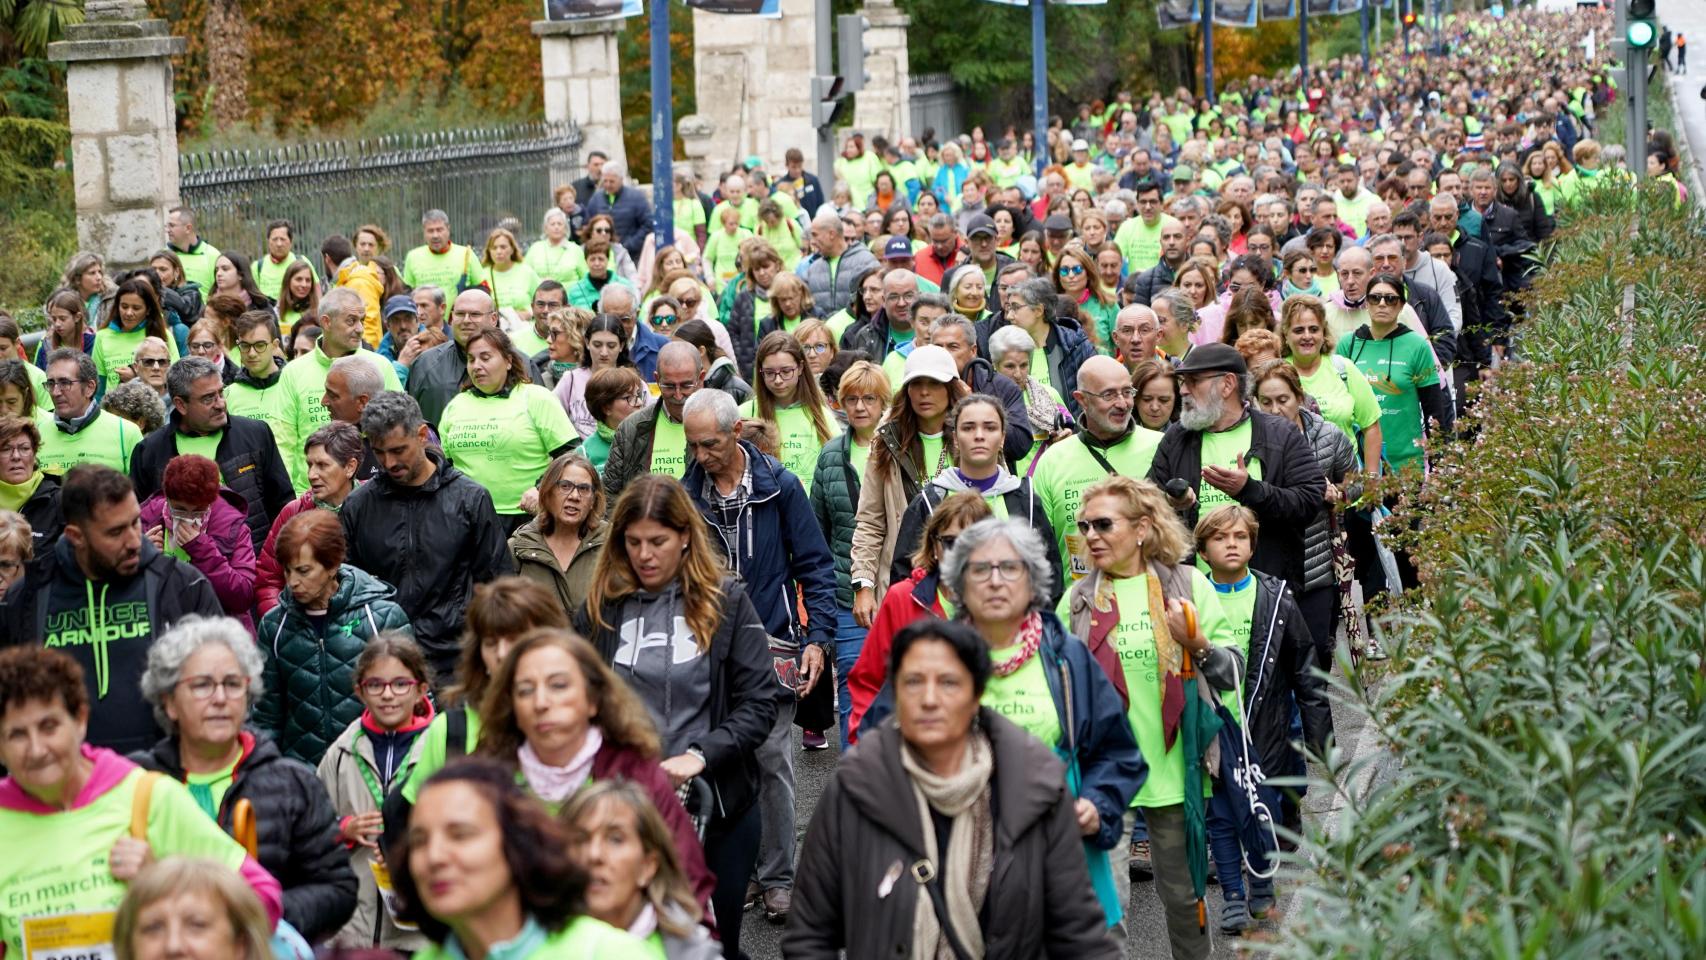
1640, 34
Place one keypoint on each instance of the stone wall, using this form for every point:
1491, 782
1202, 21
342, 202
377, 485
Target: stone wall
753, 83
884, 107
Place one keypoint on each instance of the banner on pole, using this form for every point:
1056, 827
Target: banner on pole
1235, 13
559, 10
760, 8
1319, 8
1175, 14
1347, 6
1279, 9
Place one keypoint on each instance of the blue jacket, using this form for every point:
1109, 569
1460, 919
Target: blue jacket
1111, 770
644, 351
633, 216
777, 544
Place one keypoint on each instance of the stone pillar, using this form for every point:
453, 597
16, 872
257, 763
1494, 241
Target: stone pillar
695, 133
578, 61
124, 139
884, 107
753, 80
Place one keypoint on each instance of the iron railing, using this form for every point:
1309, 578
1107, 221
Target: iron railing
479, 177
935, 105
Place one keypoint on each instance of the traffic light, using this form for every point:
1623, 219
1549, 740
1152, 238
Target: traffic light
1409, 18
1643, 27
829, 101
850, 51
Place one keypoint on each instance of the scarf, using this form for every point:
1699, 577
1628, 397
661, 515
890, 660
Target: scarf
13, 496
1169, 656
963, 871
556, 784
1027, 639
1039, 407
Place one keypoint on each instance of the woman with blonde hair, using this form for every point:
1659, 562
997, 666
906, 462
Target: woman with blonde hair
511, 278
639, 881
819, 343
559, 547
790, 305
789, 396
710, 684
196, 900
86, 276
1143, 611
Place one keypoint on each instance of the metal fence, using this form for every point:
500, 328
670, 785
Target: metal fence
935, 104
479, 177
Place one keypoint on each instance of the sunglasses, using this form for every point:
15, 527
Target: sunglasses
1071, 271
1385, 299
1102, 525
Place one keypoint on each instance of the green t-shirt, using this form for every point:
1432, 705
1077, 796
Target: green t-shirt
207, 446
1222, 450
934, 461
1139, 243
1024, 698
265, 405
860, 456
1134, 641
527, 339
1345, 401
1067, 469
431, 753
513, 288
1039, 367
799, 443
56, 863
1238, 605
442, 270
748, 213
116, 348
669, 447
1396, 368
722, 255
565, 263
269, 276
201, 264
208, 790
109, 440
688, 213
505, 442
303, 383
38, 382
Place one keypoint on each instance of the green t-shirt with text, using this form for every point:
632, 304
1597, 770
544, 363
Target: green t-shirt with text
669, 448
1222, 450
1024, 698
207, 446
1068, 468
799, 443
504, 443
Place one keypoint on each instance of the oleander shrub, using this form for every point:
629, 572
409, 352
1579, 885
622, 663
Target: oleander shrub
1542, 731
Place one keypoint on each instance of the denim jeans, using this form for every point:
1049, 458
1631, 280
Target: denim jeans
1227, 848
849, 640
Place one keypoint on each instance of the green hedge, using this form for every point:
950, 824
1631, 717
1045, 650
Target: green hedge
1542, 733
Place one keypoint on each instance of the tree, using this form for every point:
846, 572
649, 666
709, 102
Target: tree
226, 30
28, 26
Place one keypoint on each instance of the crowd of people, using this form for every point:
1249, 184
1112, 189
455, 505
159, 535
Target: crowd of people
466, 603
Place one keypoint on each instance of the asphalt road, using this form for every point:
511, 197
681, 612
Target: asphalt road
1148, 929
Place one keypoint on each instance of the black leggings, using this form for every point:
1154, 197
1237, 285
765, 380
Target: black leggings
1320, 608
731, 853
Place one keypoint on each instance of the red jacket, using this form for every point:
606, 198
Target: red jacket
910, 599
269, 575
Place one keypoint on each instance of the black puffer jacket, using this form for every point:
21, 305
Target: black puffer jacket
433, 543
310, 681
296, 830
249, 464
1281, 666
41, 512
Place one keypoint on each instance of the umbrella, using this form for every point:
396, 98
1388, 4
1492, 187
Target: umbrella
1198, 728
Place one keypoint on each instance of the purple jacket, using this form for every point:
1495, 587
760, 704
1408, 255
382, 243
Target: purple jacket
224, 553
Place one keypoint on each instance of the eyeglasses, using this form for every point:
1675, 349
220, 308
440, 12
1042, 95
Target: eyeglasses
257, 346
373, 686
188, 516
664, 319
1117, 393
19, 451
815, 349
60, 383
982, 570
685, 386
203, 346
638, 399
555, 333
906, 297
209, 399
570, 488
1385, 299
155, 364
1071, 271
202, 687
862, 400
547, 305
691, 302
468, 315
1102, 525
779, 374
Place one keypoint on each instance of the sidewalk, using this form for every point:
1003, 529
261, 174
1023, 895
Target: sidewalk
1689, 17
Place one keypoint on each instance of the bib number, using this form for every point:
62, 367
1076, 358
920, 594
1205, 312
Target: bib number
69, 936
